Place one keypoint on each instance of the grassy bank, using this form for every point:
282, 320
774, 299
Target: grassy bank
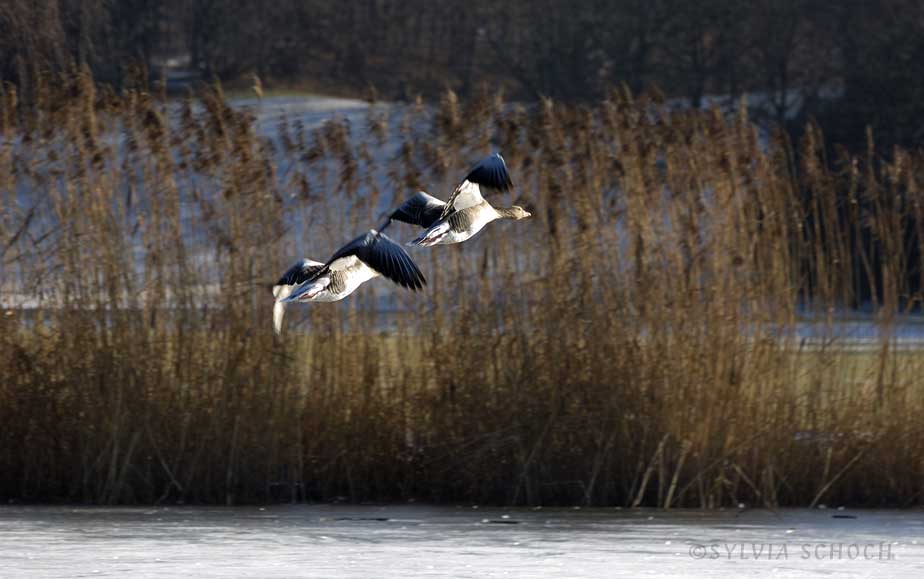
630, 344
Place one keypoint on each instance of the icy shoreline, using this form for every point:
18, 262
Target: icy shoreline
465, 541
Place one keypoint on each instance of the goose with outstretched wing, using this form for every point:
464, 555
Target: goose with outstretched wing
466, 212
369, 255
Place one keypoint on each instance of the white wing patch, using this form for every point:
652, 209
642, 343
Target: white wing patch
281, 292
360, 275
469, 195
343, 263
279, 310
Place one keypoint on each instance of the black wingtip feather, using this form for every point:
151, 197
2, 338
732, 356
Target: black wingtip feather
390, 259
420, 209
491, 172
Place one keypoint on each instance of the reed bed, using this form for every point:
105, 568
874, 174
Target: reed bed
633, 344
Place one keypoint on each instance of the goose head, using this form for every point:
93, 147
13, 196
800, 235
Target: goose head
517, 212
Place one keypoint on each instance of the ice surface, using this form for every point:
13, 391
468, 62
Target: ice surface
420, 541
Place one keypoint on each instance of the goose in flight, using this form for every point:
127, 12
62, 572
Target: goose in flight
466, 212
368, 256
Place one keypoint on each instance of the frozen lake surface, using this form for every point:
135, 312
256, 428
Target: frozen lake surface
421, 541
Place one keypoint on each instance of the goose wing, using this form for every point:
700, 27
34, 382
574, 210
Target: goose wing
421, 209
383, 255
300, 272
489, 174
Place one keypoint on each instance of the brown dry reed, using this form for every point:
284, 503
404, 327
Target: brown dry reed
632, 344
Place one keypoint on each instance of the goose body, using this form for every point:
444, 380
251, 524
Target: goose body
368, 256
466, 213
458, 226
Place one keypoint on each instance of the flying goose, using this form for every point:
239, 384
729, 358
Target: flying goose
369, 255
466, 212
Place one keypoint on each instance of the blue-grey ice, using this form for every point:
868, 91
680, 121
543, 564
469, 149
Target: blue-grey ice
295, 541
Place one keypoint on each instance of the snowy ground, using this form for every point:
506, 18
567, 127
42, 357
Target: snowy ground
420, 541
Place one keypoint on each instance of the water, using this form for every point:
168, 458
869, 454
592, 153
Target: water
420, 541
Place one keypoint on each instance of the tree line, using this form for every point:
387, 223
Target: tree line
850, 64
